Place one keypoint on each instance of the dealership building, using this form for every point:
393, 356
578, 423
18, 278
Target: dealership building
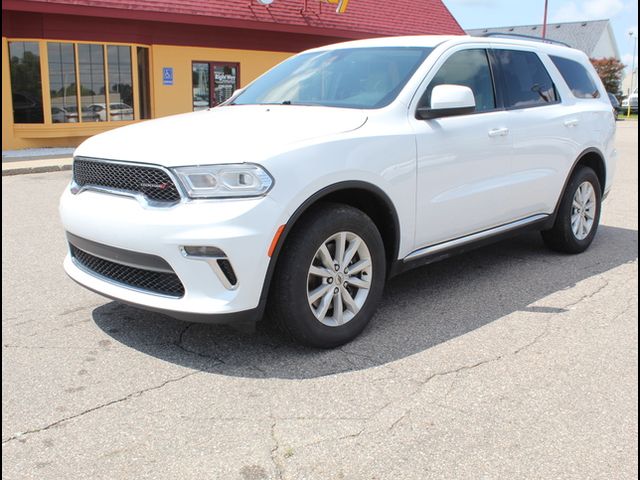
74, 68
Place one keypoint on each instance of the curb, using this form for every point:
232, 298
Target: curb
42, 169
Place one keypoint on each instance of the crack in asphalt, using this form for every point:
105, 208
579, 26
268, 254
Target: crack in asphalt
274, 451
589, 295
98, 407
179, 343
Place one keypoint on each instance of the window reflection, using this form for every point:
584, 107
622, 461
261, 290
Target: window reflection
120, 83
92, 82
226, 80
26, 85
62, 83
200, 83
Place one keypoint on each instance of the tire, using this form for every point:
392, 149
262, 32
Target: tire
303, 272
562, 237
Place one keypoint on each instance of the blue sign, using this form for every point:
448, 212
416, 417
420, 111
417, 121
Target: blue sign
167, 75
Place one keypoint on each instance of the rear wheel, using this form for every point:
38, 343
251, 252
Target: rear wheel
330, 276
578, 215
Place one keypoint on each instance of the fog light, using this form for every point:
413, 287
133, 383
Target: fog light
202, 251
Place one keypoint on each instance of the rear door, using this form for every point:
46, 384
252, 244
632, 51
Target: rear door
544, 129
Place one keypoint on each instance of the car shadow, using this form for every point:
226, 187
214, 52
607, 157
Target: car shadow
419, 310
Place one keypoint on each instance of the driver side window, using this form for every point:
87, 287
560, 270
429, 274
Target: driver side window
469, 68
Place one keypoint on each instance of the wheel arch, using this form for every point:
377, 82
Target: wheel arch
593, 158
369, 198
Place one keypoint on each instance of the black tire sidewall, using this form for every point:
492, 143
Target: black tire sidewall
293, 268
572, 243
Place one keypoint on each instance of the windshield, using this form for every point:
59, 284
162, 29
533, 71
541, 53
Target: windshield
349, 78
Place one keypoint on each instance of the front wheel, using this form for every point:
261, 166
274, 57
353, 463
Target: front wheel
578, 215
330, 276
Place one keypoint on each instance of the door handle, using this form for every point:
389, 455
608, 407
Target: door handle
571, 123
499, 132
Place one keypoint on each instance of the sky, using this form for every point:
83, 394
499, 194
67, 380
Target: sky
497, 13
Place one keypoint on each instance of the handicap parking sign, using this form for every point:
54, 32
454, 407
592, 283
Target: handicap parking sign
167, 75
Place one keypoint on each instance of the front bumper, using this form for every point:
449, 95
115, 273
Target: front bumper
242, 228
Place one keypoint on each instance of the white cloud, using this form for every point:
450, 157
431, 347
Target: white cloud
575, 11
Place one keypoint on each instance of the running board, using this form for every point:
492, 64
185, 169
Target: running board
473, 238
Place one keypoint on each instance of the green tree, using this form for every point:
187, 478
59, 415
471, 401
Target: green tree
610, 72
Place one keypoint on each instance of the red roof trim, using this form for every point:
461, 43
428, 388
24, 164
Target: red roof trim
365, 18
81, 10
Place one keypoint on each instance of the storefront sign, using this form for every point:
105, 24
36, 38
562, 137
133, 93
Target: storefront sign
341, 5
167, 75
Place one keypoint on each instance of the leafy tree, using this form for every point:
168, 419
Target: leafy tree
610, 72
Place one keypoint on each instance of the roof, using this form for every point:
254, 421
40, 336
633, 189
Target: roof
363, 17
581, 35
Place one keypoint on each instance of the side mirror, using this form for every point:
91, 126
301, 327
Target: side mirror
447, 101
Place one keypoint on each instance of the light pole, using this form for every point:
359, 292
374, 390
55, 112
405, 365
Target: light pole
634, 36
544, 22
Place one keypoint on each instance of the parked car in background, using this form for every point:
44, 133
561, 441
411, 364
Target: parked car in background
631, 101
337, 169
118, 111
200, 102
615, 104
58, 114
26, 108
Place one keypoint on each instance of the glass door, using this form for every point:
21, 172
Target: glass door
213, 83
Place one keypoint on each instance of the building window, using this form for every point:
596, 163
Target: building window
120, 83
62, 83
213, 83
26, 85
144, 82
92, 84
87, 82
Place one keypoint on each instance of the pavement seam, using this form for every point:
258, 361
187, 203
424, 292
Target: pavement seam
274, 450
98, 407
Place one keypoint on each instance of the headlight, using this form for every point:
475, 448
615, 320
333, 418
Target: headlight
224, 181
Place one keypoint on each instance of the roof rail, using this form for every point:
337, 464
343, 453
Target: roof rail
524, 37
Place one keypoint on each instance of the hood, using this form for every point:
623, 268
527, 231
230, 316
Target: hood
231, 134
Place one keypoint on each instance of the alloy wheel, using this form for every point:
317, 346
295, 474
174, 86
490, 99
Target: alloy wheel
583, 210
339, 279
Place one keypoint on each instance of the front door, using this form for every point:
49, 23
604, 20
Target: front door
464, 161
213, 83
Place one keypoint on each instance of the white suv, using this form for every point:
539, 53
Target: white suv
335, 170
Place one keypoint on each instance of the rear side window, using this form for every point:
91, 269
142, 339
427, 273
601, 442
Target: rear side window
527, 83
469, 68
577, 77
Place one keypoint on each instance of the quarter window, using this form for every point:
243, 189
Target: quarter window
527, 82
577, 78
469, 68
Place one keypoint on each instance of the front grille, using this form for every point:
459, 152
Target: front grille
154, 183
155, 282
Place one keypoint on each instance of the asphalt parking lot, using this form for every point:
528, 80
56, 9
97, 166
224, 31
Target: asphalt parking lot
507, 362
